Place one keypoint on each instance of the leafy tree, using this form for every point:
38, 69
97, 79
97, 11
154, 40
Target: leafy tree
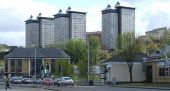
128, 46
77, 50
165, 39
67, 68
94, 49
83, 68
104, 55
151, 46
142, 45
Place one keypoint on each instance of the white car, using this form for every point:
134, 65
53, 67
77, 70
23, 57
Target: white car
67, 80
64, 81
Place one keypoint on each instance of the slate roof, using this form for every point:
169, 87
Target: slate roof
40, 53
162, 52
119, 58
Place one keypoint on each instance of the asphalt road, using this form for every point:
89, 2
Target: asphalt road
105, 88
76, 88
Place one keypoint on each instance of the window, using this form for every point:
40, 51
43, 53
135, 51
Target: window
161, 71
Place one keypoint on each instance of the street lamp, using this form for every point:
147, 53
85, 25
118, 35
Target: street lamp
35, 62
88, 60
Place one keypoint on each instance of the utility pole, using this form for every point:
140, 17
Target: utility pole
35, 62
88, 60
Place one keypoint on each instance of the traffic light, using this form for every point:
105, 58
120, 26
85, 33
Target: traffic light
42, 68
48, 66
53, 69
105, 69
60, 68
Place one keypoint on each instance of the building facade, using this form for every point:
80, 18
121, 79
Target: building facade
39, 31
156, 34
28, 61
97, 33
32, 32
57, 30
118, 70
61, 28
77, 25
69, 25
116, 21
46, 31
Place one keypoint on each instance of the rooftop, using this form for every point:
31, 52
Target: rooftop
37, 52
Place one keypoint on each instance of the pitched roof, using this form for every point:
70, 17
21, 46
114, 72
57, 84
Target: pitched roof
119, 58
162, 52
37, 52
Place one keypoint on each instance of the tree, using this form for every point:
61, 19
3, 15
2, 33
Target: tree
104, 55
165, 39
67, 68
94, 49
151, 46
83, 68
128, 46
77, 50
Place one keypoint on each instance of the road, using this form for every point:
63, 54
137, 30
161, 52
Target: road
76, 88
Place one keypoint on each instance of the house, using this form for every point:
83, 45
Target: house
118, 68
156, 34
29, 61
158, 69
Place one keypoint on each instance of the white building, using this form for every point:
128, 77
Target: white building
71, 25
109, 27
77, 24
32, 32
118, 68
157, 33
46, 31
61, 28
116, 21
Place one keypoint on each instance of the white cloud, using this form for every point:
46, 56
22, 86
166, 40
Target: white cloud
94, 19
14, 13
149, 15
12, 38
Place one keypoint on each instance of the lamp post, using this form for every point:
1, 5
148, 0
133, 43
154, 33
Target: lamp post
88, 60
35, 62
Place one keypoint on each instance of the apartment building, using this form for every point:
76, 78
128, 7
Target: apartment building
116, 21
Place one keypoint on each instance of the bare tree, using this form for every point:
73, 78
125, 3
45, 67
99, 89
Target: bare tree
128, 46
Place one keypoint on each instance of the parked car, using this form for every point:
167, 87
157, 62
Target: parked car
56, 81
12, 79
16, 81
26, 80
37, 81
47, 81
63, 81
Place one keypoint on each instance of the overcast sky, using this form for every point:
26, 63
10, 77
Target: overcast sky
150, 14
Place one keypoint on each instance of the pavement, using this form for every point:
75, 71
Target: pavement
142, 87
77, 88
118, 87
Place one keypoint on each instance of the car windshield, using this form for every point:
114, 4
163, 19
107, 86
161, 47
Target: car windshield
67, 79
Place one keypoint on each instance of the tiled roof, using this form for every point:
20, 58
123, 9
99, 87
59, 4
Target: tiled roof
37, 52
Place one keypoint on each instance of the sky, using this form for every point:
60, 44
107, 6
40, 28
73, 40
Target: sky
150, 14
